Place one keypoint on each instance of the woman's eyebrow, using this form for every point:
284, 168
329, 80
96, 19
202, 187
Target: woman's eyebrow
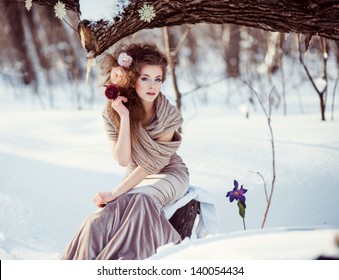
150, 76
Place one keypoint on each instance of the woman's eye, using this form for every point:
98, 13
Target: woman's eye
158, 80
144, 79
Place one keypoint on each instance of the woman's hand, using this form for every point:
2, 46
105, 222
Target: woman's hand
119, 107
102, 198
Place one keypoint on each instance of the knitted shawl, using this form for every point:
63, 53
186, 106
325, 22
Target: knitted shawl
149, 153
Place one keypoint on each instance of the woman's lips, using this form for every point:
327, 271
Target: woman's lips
150, 93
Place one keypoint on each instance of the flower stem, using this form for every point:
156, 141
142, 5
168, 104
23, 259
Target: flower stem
243, 222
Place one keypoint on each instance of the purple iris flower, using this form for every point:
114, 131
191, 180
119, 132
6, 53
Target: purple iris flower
237, 194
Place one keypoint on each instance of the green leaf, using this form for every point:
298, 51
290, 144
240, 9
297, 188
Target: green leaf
242, 207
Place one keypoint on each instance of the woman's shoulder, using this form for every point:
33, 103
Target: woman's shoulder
168, 114
165, 102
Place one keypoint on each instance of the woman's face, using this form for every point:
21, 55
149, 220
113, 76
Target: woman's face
149, 83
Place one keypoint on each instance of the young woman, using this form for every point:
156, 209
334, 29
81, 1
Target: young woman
142, 127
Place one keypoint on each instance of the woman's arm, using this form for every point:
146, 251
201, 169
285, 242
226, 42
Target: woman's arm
122, 147
166, 138
137, 175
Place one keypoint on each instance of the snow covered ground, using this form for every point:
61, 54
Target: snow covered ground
53, 162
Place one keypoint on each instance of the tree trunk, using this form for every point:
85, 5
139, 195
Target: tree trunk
17, 37
231, 45
172, 61
184, 218
314, 17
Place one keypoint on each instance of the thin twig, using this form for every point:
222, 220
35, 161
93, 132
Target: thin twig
268, 116
261, 104
203, 86
70, 26
273, 170
263, 179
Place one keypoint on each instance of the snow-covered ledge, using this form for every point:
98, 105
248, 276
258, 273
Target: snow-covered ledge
270, 244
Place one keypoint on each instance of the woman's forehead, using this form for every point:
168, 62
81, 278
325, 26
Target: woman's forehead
151, 70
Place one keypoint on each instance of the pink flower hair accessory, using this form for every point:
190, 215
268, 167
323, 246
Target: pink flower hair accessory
125, 60
119, 77
116, 75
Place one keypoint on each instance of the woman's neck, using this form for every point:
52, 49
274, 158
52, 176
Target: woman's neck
149, 107
150, 110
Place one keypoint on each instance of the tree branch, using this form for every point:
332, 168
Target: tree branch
72, 5
312, 17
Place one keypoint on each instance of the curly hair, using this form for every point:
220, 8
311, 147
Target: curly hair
142, 54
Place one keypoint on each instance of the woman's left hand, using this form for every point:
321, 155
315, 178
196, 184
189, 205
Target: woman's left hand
102, 198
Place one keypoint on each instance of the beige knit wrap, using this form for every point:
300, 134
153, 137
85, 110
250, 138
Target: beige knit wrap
149, 153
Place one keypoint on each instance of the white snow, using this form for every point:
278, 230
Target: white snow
107, 10
53, 163
320, 84
278, 244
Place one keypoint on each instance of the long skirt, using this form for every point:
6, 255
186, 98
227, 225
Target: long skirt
131, 227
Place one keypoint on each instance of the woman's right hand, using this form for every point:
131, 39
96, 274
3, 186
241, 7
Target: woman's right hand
118, 105
102, 198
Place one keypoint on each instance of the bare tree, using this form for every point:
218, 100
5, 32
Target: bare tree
321, 89
17, 38
333, 95
274, 61
231, 44
172, 56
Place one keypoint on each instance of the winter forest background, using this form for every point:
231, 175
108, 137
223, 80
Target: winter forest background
222, 74
41, 52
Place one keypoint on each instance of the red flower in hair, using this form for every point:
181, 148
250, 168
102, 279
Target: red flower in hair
112, 92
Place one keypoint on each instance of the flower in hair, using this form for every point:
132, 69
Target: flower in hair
125, 60
112, 92
147, 13
119, 77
